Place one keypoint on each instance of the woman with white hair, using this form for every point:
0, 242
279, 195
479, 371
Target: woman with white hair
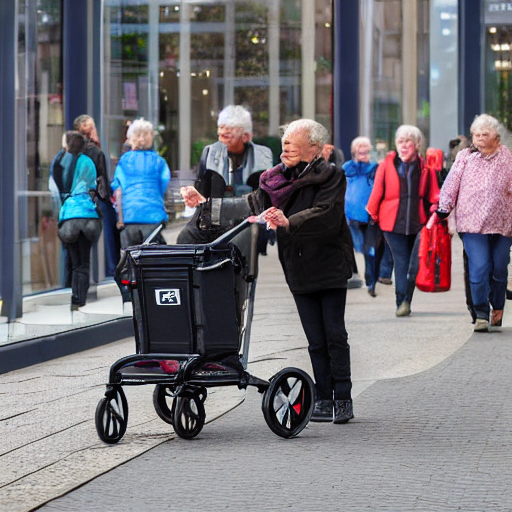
404, 194
479, 189
360, 172
229, 167
140, 182
303, 200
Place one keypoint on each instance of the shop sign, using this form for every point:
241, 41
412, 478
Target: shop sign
498, 13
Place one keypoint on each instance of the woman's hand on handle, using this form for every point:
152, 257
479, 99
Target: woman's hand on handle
191, 196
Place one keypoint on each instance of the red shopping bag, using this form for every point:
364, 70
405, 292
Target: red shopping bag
435, 255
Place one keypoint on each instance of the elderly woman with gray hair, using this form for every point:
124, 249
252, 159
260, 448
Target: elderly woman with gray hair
302, 198
139, 185
404, 194
479, 189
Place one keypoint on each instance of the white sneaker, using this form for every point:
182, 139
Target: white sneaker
404, 309
481, 325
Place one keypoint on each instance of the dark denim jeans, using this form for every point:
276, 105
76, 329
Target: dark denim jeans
404, 249
488, 258
112, 242
386, 262
323, 318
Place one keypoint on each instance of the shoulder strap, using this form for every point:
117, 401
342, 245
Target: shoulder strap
67, 182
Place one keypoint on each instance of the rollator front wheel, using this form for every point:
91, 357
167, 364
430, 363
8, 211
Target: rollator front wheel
163, 398
111, 416
288, 402
188, 414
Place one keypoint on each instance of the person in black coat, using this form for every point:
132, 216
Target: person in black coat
303, 200
86, 126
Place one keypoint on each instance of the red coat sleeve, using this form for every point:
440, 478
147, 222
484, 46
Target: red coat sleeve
377, 193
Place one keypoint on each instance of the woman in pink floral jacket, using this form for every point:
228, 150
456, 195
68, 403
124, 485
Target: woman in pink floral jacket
479, 189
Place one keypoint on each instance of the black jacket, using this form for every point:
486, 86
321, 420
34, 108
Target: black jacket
316, 251
95, 153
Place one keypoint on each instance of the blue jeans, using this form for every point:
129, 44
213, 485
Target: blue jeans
372, 255
488, 258
404, 249
386, 263
322, 315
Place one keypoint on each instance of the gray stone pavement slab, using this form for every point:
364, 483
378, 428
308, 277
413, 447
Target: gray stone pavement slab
48, 443
435, 441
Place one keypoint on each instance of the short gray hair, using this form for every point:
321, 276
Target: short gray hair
485, 121
141, 127
408, 131
236, 116
360, 141
317, 135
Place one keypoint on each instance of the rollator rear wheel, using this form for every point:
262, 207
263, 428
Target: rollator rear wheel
288, 402
163, 398
188, 414
112, 416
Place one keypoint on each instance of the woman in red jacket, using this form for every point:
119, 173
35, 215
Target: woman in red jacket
404, 194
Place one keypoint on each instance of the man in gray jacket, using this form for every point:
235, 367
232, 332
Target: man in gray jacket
229, 167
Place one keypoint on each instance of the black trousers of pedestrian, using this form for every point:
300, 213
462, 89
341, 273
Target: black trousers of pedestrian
136, 234
78, 236
322, 315
80, 256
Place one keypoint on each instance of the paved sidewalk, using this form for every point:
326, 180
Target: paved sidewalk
437, 441
421, 419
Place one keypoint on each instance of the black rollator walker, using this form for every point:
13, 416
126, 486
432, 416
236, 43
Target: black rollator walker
192, 313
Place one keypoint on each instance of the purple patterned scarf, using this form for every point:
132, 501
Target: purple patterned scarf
280, 187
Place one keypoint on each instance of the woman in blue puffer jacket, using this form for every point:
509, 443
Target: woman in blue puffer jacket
140, 182
72, 184
360, 173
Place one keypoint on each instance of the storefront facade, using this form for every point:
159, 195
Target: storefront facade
357, 67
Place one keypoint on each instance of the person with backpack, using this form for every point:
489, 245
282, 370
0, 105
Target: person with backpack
73, 185
86, 126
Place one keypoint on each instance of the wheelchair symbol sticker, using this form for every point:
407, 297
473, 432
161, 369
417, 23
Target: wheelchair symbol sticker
168, 297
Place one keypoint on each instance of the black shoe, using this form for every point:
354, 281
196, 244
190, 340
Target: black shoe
343, 411
322, 410
509, 294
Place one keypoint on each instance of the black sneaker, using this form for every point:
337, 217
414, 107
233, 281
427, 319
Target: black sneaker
322, 410
343, 411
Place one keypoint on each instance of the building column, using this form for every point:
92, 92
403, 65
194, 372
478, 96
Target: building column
443, 73
229, 54
367, 13
273, 65
153, 60
345, 74
10, 246
410, 62
76, 58
185, 96
470, 62
308, 59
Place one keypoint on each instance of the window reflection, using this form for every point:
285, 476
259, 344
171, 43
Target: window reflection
241, 52
40, 98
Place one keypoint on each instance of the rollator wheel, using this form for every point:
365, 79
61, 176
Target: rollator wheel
288, 402
188, 414
163, 402
112, 416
